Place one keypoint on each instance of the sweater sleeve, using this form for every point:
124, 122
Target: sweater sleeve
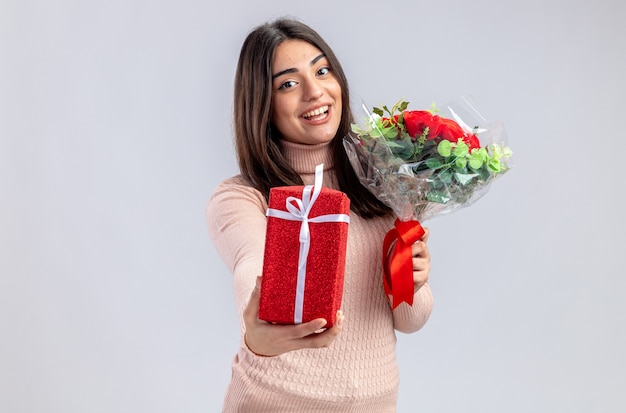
235, 216
408, 319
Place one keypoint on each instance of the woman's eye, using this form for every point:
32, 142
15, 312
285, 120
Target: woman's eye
323, 71
286, 85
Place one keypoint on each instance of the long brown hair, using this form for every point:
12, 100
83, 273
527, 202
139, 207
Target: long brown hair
261, 161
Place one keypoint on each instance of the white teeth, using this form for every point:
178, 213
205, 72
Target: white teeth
316, 112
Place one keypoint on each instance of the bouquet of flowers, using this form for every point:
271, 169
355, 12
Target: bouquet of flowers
422, 164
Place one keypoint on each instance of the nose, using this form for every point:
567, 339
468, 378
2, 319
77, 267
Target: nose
313, 89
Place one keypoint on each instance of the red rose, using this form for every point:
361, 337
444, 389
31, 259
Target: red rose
450, 130
472, 141
418, 120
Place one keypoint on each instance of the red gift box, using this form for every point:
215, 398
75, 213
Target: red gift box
305, 254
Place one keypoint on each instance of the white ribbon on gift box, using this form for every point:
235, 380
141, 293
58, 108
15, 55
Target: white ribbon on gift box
300, 212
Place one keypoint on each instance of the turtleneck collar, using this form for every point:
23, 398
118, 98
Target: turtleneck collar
304, 158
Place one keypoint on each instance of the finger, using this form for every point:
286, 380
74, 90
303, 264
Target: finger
421, 269
421, 264
308, 328
419, 249
325, 338
426, 234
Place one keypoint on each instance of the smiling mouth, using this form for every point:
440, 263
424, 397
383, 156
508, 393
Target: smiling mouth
316, 114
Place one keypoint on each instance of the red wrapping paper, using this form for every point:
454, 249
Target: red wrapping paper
325, 264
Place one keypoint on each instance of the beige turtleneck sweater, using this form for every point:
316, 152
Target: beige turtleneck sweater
358, 372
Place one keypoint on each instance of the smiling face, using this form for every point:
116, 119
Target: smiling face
306, 96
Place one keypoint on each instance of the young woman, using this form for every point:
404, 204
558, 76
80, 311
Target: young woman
291, 112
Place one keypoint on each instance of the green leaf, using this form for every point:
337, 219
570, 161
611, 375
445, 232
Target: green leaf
402, 148
464, 179
482, 152
494, 165
435, 184
433, 163
444, 148
439, 197
476, 160
483, 173
461, 148
495, 151
461, 163
445, 176
390, 132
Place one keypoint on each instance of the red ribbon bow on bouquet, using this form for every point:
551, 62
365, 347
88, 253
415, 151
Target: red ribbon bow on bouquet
398, 264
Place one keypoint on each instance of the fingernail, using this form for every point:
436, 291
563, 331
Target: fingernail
340, 318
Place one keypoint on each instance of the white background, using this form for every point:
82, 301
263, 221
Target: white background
115, 128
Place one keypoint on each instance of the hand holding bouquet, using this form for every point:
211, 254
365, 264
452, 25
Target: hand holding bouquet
422, 164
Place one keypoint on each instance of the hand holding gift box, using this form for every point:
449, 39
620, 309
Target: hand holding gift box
305, 253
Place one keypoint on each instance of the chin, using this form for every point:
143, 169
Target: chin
325, 139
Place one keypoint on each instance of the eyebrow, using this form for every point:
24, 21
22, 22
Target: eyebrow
294, 70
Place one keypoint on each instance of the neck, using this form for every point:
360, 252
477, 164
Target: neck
304, 158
